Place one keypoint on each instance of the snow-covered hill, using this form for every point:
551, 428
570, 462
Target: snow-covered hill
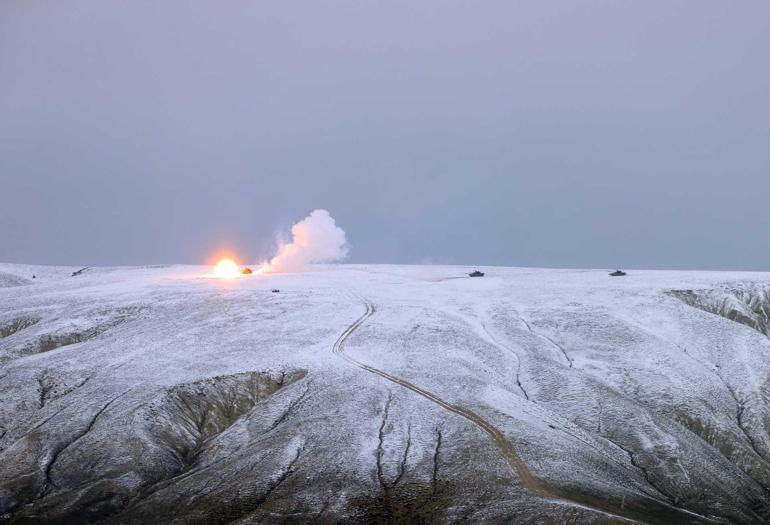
383, 394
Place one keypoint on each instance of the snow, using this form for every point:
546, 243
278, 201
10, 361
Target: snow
618, 397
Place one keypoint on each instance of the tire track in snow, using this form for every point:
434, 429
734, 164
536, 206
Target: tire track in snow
548, 339
495, 342
528, 480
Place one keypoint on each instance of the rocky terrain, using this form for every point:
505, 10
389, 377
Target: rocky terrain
383, 394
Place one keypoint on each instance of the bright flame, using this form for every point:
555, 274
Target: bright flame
227, 269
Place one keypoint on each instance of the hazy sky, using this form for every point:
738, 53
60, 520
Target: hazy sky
567, 133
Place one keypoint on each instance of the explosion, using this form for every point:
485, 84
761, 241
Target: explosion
226, 269
315, 239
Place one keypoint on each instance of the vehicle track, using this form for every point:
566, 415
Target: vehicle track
528, 480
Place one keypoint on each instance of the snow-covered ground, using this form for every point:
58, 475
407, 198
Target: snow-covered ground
375, 393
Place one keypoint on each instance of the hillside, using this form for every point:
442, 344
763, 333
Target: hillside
376, 393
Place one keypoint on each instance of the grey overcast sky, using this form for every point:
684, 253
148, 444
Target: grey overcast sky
595, 134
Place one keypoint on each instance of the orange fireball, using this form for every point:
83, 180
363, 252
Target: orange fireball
227, 269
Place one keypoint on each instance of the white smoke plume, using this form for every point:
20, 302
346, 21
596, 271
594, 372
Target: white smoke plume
315, 239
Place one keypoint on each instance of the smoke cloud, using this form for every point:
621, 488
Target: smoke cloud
315, 239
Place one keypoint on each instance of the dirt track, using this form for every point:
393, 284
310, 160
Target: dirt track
527, 479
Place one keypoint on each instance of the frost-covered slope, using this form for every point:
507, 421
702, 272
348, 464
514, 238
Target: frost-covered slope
383, 394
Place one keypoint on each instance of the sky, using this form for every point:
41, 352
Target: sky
597, 134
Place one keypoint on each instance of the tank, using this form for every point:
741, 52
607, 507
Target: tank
476, 273
618, 273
